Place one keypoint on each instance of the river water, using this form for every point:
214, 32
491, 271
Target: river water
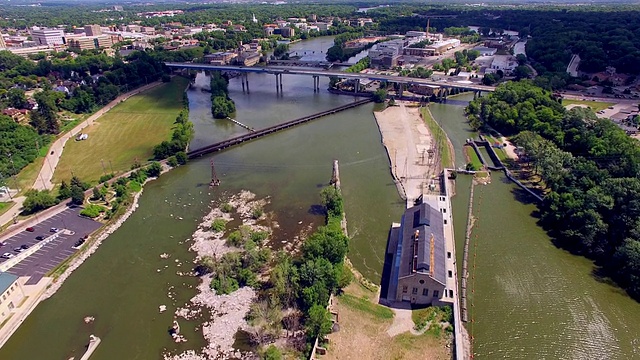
125, 281
530, 299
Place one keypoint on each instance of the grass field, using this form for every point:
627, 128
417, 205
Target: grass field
128, 132
439, 136
363, 332
473, 157
5, 206
594, 105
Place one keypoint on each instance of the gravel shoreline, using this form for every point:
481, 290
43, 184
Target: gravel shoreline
228, 312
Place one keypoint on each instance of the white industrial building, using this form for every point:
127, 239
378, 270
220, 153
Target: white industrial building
47, 36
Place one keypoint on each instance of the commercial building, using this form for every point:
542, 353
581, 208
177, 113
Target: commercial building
386, 54
11, 295
92, 30
287, 32
220, 58
90, 42
504, 63
248, 58
419, 270
48, 36
485, 51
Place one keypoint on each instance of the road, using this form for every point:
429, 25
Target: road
43, 181
53, 253
329, 73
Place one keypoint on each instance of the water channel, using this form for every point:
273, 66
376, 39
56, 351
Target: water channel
531, 300
125, 281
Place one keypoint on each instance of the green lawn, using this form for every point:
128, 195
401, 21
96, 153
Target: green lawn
5, 206
363, 304
126, 133
473, 157
439, 136
594, 105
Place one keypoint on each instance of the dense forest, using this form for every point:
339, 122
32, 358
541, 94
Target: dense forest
590, 168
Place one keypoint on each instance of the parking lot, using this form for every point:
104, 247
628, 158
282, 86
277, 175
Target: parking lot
54, 252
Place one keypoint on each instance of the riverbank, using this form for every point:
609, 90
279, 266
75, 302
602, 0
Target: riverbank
408, 142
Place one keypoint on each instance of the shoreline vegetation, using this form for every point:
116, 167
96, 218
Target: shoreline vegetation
127, 189
279, 299
587, 167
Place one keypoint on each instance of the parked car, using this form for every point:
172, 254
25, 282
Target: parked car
7, 256
78, 243
40, 237
21, 248
54, 230
30, 229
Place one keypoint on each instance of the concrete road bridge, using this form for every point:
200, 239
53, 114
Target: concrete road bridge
278, 71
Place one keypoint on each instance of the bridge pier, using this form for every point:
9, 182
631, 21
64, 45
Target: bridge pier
280, 84
277, 83
356, 87
246, 79
400, 89
316, 83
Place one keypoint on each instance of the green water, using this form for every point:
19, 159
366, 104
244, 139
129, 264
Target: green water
529, 299
120, 284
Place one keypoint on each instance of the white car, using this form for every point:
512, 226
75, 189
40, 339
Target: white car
7, 255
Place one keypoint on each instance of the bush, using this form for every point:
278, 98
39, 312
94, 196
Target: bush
218, 225
172, 161
37, 200
166, 78
258, 236
256, 213
272, 353
226, 208
235, 239
154, 170
92, 211
181, 157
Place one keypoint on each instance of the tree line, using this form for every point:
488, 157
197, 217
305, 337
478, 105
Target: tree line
589, 167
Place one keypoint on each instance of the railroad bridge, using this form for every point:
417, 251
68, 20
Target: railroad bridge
270, 130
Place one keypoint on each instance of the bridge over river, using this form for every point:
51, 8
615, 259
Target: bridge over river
270, 130
278, 71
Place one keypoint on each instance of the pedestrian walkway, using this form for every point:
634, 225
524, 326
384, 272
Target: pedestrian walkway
12, 213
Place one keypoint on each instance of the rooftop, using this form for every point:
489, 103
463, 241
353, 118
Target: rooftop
426, 254
6, 280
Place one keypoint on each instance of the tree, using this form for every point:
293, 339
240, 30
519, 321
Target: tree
77, 195
318, 322
96, 194
522, 59
522, 72
380, 95
181, 157
16, 98
36, 201
154, 170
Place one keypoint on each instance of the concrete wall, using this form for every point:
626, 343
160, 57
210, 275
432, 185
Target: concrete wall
411, 282
10, 299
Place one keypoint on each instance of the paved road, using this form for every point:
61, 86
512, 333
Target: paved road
43, 181
52, 254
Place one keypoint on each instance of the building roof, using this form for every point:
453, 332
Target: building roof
6, 280
426, 254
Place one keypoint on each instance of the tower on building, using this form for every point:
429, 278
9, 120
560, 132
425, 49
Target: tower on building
255, 21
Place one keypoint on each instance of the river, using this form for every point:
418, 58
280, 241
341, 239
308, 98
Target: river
125, 281
530, 299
